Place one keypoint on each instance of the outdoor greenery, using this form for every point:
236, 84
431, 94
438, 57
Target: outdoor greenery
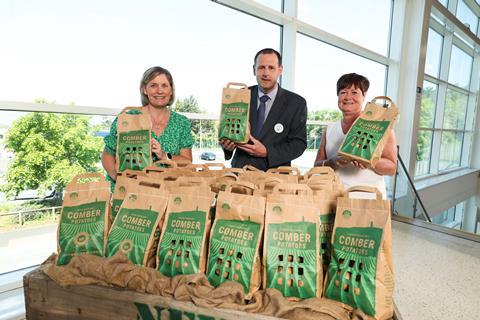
49, 150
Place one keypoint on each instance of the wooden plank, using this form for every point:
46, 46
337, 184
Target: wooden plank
45, 299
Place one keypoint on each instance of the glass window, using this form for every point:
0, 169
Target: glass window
450, 150
460, 68
434, 53
429, 100
372, 33
444, 2
455, 109
467, 16
98, 55
34, 171
424, 152
318, 67
274, 4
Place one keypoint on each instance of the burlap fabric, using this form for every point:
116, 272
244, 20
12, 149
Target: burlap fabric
118, 271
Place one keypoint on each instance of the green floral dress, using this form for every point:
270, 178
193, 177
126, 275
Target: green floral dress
177, 135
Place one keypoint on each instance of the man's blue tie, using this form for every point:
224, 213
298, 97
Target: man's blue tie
261, 115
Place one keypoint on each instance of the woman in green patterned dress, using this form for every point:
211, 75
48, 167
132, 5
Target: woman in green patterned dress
171, 132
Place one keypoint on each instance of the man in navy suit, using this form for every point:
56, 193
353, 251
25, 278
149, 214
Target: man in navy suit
278, 119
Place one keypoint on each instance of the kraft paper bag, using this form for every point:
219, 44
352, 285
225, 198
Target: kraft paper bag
361, 270
134, 150
235, 113
84, 221
366, 138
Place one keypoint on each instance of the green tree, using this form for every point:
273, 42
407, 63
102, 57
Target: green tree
204, 131
49, 150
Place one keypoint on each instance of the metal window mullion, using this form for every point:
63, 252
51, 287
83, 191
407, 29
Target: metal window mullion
289, 44
435, 153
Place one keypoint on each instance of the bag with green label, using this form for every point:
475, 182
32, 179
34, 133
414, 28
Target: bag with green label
84, 222
235, 113
291, 263
235, 238
361, 270
134, 150
367, 136
124, 179
136, 229
183, 243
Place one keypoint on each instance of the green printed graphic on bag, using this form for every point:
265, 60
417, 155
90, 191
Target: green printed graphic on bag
326, 227
235, 238
366, 138
136, 229
363, 137
181, 243
292, 258
134, 127
134, 150
131, 233
125, 181
235, 113
116, 204
84, 222
352, 272
233, 124
232, 251
360, 273
82, 231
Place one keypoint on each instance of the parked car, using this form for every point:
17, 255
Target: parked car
209, 156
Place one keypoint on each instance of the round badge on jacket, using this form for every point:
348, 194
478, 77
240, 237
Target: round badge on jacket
278, 128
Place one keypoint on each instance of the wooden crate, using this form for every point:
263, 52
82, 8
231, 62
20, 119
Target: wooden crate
45, 299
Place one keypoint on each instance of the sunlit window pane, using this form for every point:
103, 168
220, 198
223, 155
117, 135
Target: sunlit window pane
460, 68
429, 102
98, 55
320, 65
274, 4
342, 19
450, 150
434, 53
424, 150
467, 16
455, 109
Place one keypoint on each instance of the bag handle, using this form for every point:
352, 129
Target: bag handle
191, 181
214, 165
149, 182
291, 171
384, 98
238, 84
226, 175
366, 189
126, 109
168, 163
87, 175
182, 162
326, 171
243, 184
249, 167
268, 180
236, 171
292, 187
194, 167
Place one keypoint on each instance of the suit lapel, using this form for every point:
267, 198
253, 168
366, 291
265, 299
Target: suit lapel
253, 108
274, 113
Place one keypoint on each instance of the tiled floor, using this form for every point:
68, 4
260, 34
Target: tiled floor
437, 275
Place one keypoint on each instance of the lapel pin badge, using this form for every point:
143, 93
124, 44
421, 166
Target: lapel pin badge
278, 128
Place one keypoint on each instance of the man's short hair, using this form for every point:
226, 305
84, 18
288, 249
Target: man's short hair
357, 80
268, 51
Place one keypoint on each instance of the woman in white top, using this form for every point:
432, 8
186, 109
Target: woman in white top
351, 91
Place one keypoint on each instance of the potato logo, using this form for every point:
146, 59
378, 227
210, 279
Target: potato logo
226, 206
177, 200
81, 239
277, 209
126, 246
121, 189
124, 123
133, 197
73, 196
347, 213
368, 113
227, 96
